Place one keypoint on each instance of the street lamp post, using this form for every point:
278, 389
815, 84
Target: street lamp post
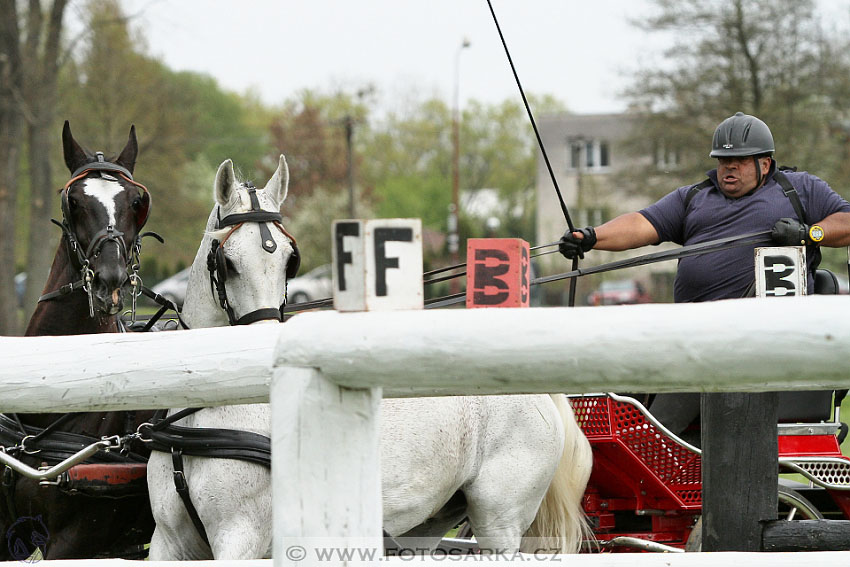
348, 122
454, 207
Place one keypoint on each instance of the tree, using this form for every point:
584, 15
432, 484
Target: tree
408, 162
11, 126
30, 57
771, 58
310, 131
186, 124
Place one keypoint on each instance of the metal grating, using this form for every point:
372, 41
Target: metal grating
592, 415
601, 417
831, 472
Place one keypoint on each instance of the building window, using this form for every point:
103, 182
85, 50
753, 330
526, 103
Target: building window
604, 155
589, 155
666, 156
575, 155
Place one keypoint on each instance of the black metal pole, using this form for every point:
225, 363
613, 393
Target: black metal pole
349, 138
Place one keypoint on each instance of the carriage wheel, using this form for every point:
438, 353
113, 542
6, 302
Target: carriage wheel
792, 506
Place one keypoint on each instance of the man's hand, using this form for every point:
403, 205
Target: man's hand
575, 244
790, 232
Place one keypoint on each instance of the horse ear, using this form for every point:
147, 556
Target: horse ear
75, 155
278, 185
127, 158
225, 180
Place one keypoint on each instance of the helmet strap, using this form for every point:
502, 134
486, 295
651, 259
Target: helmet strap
760, 177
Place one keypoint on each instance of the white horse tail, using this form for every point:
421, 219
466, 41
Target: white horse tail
560, 524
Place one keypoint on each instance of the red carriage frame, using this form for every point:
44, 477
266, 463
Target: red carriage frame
645, 491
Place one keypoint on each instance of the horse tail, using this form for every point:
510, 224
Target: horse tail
560, 525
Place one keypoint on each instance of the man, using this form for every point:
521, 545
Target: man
743, 195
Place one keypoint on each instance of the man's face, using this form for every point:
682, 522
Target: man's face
737, 176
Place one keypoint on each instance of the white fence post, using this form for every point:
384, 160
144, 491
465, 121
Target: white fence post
325, 465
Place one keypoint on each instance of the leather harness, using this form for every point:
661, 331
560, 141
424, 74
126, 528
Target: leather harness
81, 259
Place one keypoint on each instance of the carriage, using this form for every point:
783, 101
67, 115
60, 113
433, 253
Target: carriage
645, 491
645, 488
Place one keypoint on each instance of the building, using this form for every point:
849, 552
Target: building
586, 152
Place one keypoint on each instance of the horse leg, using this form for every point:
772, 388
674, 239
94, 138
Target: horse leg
242, 538
426, 537
502, 502
175, 537
238, 518
525, 449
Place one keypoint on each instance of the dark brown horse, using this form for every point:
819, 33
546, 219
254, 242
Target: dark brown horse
95, 510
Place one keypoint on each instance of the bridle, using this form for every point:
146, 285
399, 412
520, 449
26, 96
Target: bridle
217, 264
81, 260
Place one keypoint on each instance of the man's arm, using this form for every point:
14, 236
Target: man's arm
624, 232
836, 230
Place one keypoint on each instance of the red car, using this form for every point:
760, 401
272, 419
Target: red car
618, 292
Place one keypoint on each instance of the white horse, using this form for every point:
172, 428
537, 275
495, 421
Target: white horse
232, 497
514, 465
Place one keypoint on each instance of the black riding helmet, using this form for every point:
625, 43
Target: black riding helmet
743, 135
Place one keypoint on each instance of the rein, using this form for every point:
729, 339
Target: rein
751, 239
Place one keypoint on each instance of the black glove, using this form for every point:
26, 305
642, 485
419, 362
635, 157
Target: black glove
570, 246
790, 232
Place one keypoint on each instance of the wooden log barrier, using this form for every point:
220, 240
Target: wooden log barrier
739, 469
807, 535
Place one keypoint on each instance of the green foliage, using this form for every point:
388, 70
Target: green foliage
311, 227
415, 196
185, 123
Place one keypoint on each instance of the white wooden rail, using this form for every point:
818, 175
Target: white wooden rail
329, 370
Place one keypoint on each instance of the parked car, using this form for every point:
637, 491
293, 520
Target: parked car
618, 292
174, 288
315, 284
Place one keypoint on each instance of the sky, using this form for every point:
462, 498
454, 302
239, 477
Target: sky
578, 51
583, 52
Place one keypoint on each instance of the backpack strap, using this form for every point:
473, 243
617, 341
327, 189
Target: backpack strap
790, 192
696, 189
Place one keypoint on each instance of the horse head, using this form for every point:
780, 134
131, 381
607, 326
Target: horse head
104, 211
246, 256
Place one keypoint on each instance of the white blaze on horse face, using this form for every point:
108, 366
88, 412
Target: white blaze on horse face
105, 192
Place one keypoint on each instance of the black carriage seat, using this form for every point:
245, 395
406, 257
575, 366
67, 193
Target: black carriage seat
826, 283
811, 406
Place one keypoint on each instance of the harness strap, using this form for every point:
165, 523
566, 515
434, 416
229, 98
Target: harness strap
265, 314
7, 484
211, 442
166, 304
183, 490
176, 416
64, 290
792, 194
696, 189
60, 445
52, 427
